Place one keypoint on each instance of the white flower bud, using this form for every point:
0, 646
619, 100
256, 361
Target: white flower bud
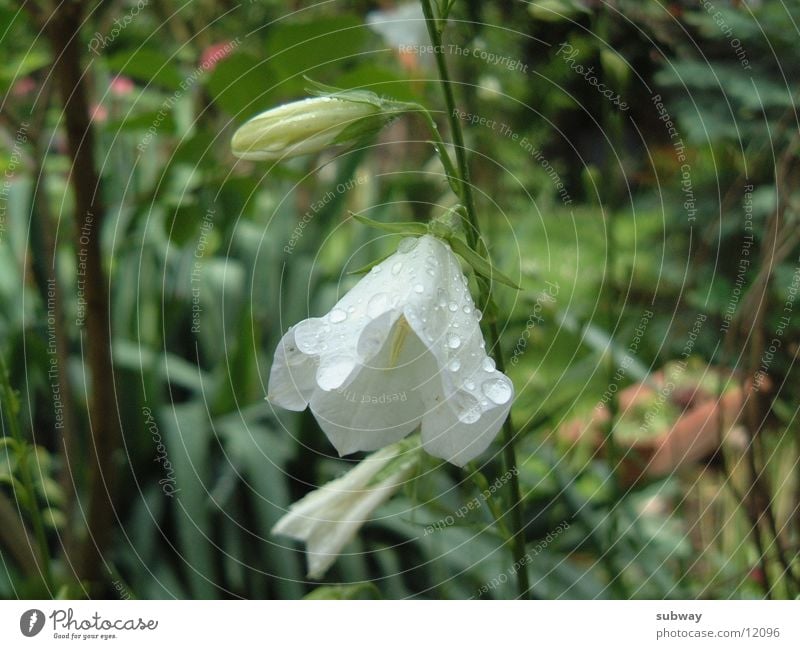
309, 126
328, 518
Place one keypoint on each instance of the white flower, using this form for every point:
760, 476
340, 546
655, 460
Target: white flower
308, 126
328, 518
403, 349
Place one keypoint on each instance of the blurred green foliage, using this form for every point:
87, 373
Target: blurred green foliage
202, 285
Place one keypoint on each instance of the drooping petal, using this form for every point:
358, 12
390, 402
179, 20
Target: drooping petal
292, 377
383, 403
460, 439
470, 399
403, 348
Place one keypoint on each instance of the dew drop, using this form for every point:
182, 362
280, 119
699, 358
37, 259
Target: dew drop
378, 304
478, 314
431, 272
453, 341
469, 384
334, 370
454, 365
337, 315
398, 266
419, 288
497, 390
408, 244
467, 309
467, 407
308, 336
453, 307
488, 364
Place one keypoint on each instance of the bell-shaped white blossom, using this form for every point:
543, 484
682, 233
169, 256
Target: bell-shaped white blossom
309, 126
328, 518
402, 350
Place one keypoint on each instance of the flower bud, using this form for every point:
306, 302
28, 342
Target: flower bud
310, 126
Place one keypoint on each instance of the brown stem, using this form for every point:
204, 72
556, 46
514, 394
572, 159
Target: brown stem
104, 426
15, 536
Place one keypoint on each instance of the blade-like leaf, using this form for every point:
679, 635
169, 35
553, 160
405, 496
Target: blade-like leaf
481, 265
405, 227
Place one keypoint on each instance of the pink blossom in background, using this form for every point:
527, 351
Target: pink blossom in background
23, 87
99, 113
121, 86
213, 54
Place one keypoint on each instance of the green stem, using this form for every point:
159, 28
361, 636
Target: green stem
12, 411
474, 240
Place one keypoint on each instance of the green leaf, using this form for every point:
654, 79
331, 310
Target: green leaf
146, 66
480, 265
382, 81
350, 591
402, 227
307, 47
240, 85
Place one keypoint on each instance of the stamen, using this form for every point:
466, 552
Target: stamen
399, 337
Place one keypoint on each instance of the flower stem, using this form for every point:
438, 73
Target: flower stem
474, 240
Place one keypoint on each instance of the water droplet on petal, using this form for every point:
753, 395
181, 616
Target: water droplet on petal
408, 244
453, 307
351, 309
442, 296
453, 341
454, 365
337, 315
467, 309
334, 370
498, 390
467, 407
308, 336
431, 272
419, 288
488, 364
478, 314
469, 384
398, 266
378, 304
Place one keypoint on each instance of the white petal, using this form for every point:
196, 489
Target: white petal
291, 379
320, 506
326, 542
328, 518
404, 343
382, 404
449, 437
470, 399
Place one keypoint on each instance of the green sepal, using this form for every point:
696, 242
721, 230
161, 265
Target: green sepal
404, 227
480, 265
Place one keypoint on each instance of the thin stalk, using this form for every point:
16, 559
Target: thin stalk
12, 411
474, 240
